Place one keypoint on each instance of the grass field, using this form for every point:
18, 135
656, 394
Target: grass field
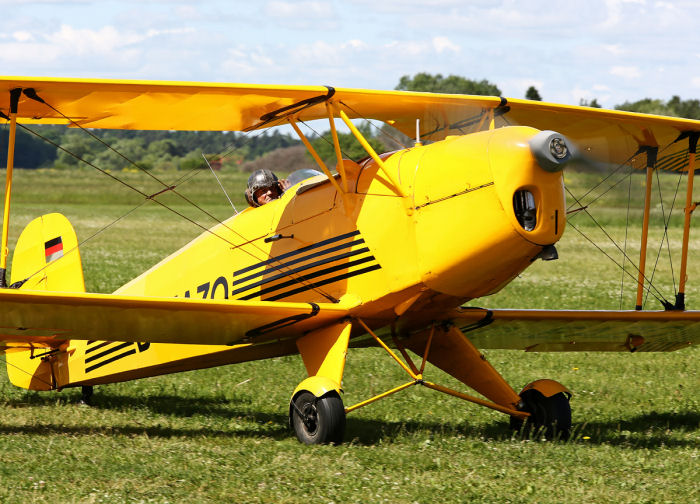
220, 435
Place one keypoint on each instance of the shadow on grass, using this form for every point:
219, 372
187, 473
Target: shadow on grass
650, 430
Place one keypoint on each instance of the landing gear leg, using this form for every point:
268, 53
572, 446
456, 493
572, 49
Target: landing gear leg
318, 420
86, 395
316, 411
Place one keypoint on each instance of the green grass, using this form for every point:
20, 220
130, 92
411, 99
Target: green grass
220, 435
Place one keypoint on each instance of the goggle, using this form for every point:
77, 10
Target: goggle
263, 190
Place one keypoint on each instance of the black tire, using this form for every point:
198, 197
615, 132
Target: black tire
322, 419
548, 415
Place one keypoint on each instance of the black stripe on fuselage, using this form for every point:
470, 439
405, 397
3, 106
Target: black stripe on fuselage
296, 252
106, 352
324, 282
305, 267
91, 349
310, 276
278, 267
110, 360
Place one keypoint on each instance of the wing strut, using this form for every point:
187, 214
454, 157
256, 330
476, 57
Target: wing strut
651, 161
14, 101
692, 148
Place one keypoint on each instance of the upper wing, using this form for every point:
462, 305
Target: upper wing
49, 319
604, 135
580, 330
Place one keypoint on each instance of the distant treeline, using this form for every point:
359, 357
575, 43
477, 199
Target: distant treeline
147, 149
248, 151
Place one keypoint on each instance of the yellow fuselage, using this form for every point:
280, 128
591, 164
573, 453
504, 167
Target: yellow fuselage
454, 237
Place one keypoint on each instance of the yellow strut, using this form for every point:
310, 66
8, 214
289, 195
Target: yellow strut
14, 101
315, 155
336, 144
380, 396
371, 152
689, 207
418, 380
651, 161
383, 345
476, 400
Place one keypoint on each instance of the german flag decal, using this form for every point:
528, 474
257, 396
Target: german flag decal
53, 249
322, 263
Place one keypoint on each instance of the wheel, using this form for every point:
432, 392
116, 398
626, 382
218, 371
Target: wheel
86, 395
318, 420
549, 415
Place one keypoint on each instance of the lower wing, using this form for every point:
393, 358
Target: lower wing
48, 319
580, 330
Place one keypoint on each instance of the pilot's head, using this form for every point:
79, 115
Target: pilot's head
263, 187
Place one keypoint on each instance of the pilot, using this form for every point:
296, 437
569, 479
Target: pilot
263, 187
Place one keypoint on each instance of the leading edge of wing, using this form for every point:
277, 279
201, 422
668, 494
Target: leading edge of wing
579, 330
135, 104
45, 317
600, 135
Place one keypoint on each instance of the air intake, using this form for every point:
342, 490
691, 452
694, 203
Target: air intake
525, 209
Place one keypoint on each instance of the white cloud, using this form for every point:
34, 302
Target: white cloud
443, 44
74, 51
175, 31
245, 62
405, 48
22, 36
298, 10
627, 72
614, 49
83, 41
614, 11
356, 44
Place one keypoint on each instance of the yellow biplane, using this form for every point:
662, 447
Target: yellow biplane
381, 252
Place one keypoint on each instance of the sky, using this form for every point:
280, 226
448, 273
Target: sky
610, 50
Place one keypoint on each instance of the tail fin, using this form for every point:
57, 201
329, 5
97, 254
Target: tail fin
46, 258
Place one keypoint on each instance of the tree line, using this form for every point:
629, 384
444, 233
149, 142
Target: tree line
147, 149
183, 149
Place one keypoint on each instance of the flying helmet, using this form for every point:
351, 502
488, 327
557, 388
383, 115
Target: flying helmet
258, 180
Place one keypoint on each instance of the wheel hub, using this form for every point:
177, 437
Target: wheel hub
310, 417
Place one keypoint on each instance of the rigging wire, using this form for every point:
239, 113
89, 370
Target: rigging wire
600, 182
151, 197
220, 184
581, 207
627, 224
167, 187
661, 300
323, 137
83, 242
279, 267
380, 130
665, 235
665, 301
